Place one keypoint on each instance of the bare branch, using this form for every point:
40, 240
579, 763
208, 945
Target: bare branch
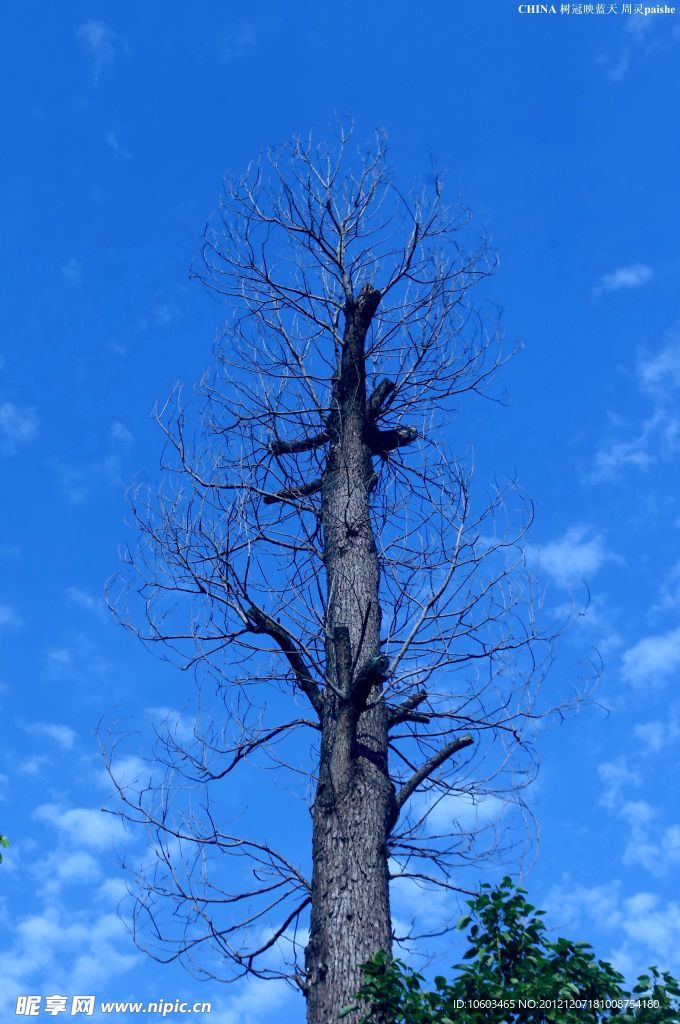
407, 711
262, 623
281, 447
430, 766
291, 493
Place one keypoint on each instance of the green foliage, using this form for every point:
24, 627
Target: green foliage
4, 843
512, 973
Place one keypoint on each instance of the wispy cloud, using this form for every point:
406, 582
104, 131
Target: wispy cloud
652, 660
83, 825
114, 143
640, 40
163, 314
255, 1002
80, 481
645, 928
668, 591
658, 437
464, 812
657, 735
120, 434
100, 41
656, 849
77, 657
631, 276
241, 43
9, 617
618, 779
58, 948
413, 900
88, 602
62, 735
597, 620
33, 765
181, 727
18, 426
659, 372
72, 273
573, 558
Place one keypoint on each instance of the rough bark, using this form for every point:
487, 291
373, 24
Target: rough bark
274, 477
355, 797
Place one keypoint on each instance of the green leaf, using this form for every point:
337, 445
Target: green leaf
511, 956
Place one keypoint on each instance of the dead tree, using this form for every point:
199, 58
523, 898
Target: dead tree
313, 539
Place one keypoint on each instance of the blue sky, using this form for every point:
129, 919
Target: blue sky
561, 134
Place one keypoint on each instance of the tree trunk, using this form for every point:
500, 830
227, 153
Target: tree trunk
355, 798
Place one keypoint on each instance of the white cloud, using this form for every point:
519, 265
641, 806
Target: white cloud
165, 314
658, 438
646, 843
645, 928
631, 276
669, 591
653, 848
241, 43
60, 950
639, 41
17, 426
162, 315
62, 868
100, 41
62, 735
462, 811
72, 273
618, 69
87, 601
59, 658
255, 1002
83, 825
9, 617
179, 726
116, 146
656, 736
661, 372
618, 780
119, 433
33, 766
66, 936
595, 619
416, 901
131, 773
78, 656
80, 481
652, 660
571, 559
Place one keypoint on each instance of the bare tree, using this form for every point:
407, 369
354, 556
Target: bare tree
315, 547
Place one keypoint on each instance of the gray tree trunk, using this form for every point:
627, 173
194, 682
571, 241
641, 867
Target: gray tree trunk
355, 798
